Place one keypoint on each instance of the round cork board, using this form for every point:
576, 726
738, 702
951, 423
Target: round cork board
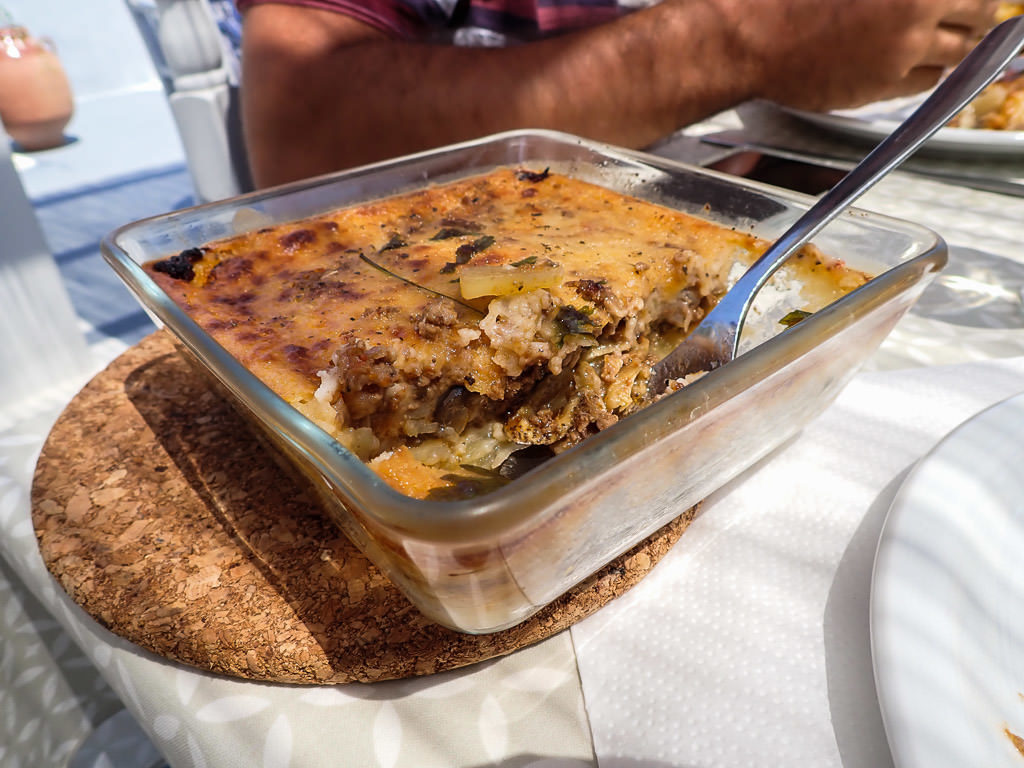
167, 522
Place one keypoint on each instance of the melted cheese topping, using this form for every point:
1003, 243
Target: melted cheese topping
448, 326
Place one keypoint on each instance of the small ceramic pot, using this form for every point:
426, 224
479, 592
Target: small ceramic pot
35, 96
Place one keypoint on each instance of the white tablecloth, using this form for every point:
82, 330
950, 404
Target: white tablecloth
746, 646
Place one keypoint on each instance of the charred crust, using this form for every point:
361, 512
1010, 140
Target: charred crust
533, 176
315, 283
179, 266
595, 291
297, 238
231, 270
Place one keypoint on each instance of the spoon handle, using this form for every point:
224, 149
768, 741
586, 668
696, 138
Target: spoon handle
979, 68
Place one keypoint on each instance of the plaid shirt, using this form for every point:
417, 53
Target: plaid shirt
472, 22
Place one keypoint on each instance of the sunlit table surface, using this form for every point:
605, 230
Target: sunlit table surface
747, 645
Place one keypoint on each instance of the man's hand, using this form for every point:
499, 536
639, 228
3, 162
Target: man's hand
824, 55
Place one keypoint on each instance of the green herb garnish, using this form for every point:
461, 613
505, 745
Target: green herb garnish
387, 271
794, 317
396, 241
573, 320
446, 233
466, 251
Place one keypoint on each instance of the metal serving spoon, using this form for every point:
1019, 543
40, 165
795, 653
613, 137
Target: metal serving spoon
714, 341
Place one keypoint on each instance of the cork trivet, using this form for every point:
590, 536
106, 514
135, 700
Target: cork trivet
167, 522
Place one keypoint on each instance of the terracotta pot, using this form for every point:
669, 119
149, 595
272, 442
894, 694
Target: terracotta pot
35, 97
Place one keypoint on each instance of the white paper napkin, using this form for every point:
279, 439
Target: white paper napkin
748, 645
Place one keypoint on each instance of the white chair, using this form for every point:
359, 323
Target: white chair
190, 53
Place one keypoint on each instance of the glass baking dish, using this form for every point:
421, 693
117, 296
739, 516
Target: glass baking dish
487, 563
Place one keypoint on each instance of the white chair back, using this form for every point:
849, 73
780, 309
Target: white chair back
189, 52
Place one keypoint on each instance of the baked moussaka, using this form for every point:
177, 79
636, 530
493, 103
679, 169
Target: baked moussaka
435, 333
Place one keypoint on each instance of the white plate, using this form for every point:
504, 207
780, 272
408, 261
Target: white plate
876, 121
947, 600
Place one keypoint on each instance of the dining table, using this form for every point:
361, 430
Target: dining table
749, 643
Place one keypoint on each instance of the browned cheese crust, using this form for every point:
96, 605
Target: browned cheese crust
443, 327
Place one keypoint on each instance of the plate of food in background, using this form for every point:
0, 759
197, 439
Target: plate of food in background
992, 124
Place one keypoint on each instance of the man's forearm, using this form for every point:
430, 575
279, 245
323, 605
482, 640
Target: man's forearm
323, 92
322, 101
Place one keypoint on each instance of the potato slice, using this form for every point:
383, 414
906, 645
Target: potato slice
504, 279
